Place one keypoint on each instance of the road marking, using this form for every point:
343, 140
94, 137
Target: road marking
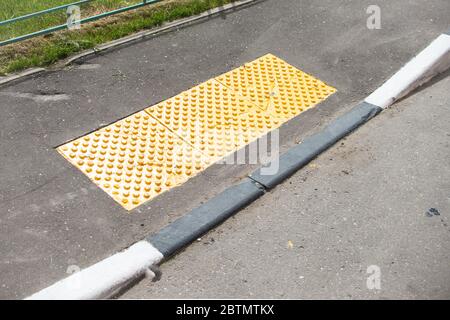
161, 147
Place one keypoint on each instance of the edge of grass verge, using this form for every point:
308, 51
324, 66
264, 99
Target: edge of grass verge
46, 50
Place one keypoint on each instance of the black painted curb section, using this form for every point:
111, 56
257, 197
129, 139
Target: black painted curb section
312, 146
190, 227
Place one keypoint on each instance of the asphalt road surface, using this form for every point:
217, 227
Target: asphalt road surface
363, 208
53, 217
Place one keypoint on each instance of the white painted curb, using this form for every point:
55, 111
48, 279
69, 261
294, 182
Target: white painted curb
104, 279
433, 60
134, 37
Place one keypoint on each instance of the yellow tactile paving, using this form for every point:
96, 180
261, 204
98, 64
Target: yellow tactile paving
276, 86
201, 117
209, 103
134, 159
154, 150
250, 126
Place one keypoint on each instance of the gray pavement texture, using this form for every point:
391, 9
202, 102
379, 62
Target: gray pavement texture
52, 216
364, 202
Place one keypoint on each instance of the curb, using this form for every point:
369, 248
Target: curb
433, 60
101, 280
188, 228
18, 76
134, 37
312, 146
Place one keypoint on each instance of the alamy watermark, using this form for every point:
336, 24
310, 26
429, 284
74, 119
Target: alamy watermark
241, 146
73, 17
73, 282
227, 139
74, 13
221, 8
374, 19
373, 281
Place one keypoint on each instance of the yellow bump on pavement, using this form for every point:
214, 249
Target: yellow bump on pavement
250, 126
276, 86
134, 159
202, 116
161, 147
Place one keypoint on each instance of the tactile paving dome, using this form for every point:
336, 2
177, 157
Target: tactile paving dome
207, 115
276, 86
134, 159
154, 150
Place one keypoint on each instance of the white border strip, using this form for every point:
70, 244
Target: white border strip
433, 60
105, 278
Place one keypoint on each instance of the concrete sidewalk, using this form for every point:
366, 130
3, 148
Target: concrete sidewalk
361, 203
53, 218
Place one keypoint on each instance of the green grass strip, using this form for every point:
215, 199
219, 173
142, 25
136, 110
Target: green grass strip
46, 50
